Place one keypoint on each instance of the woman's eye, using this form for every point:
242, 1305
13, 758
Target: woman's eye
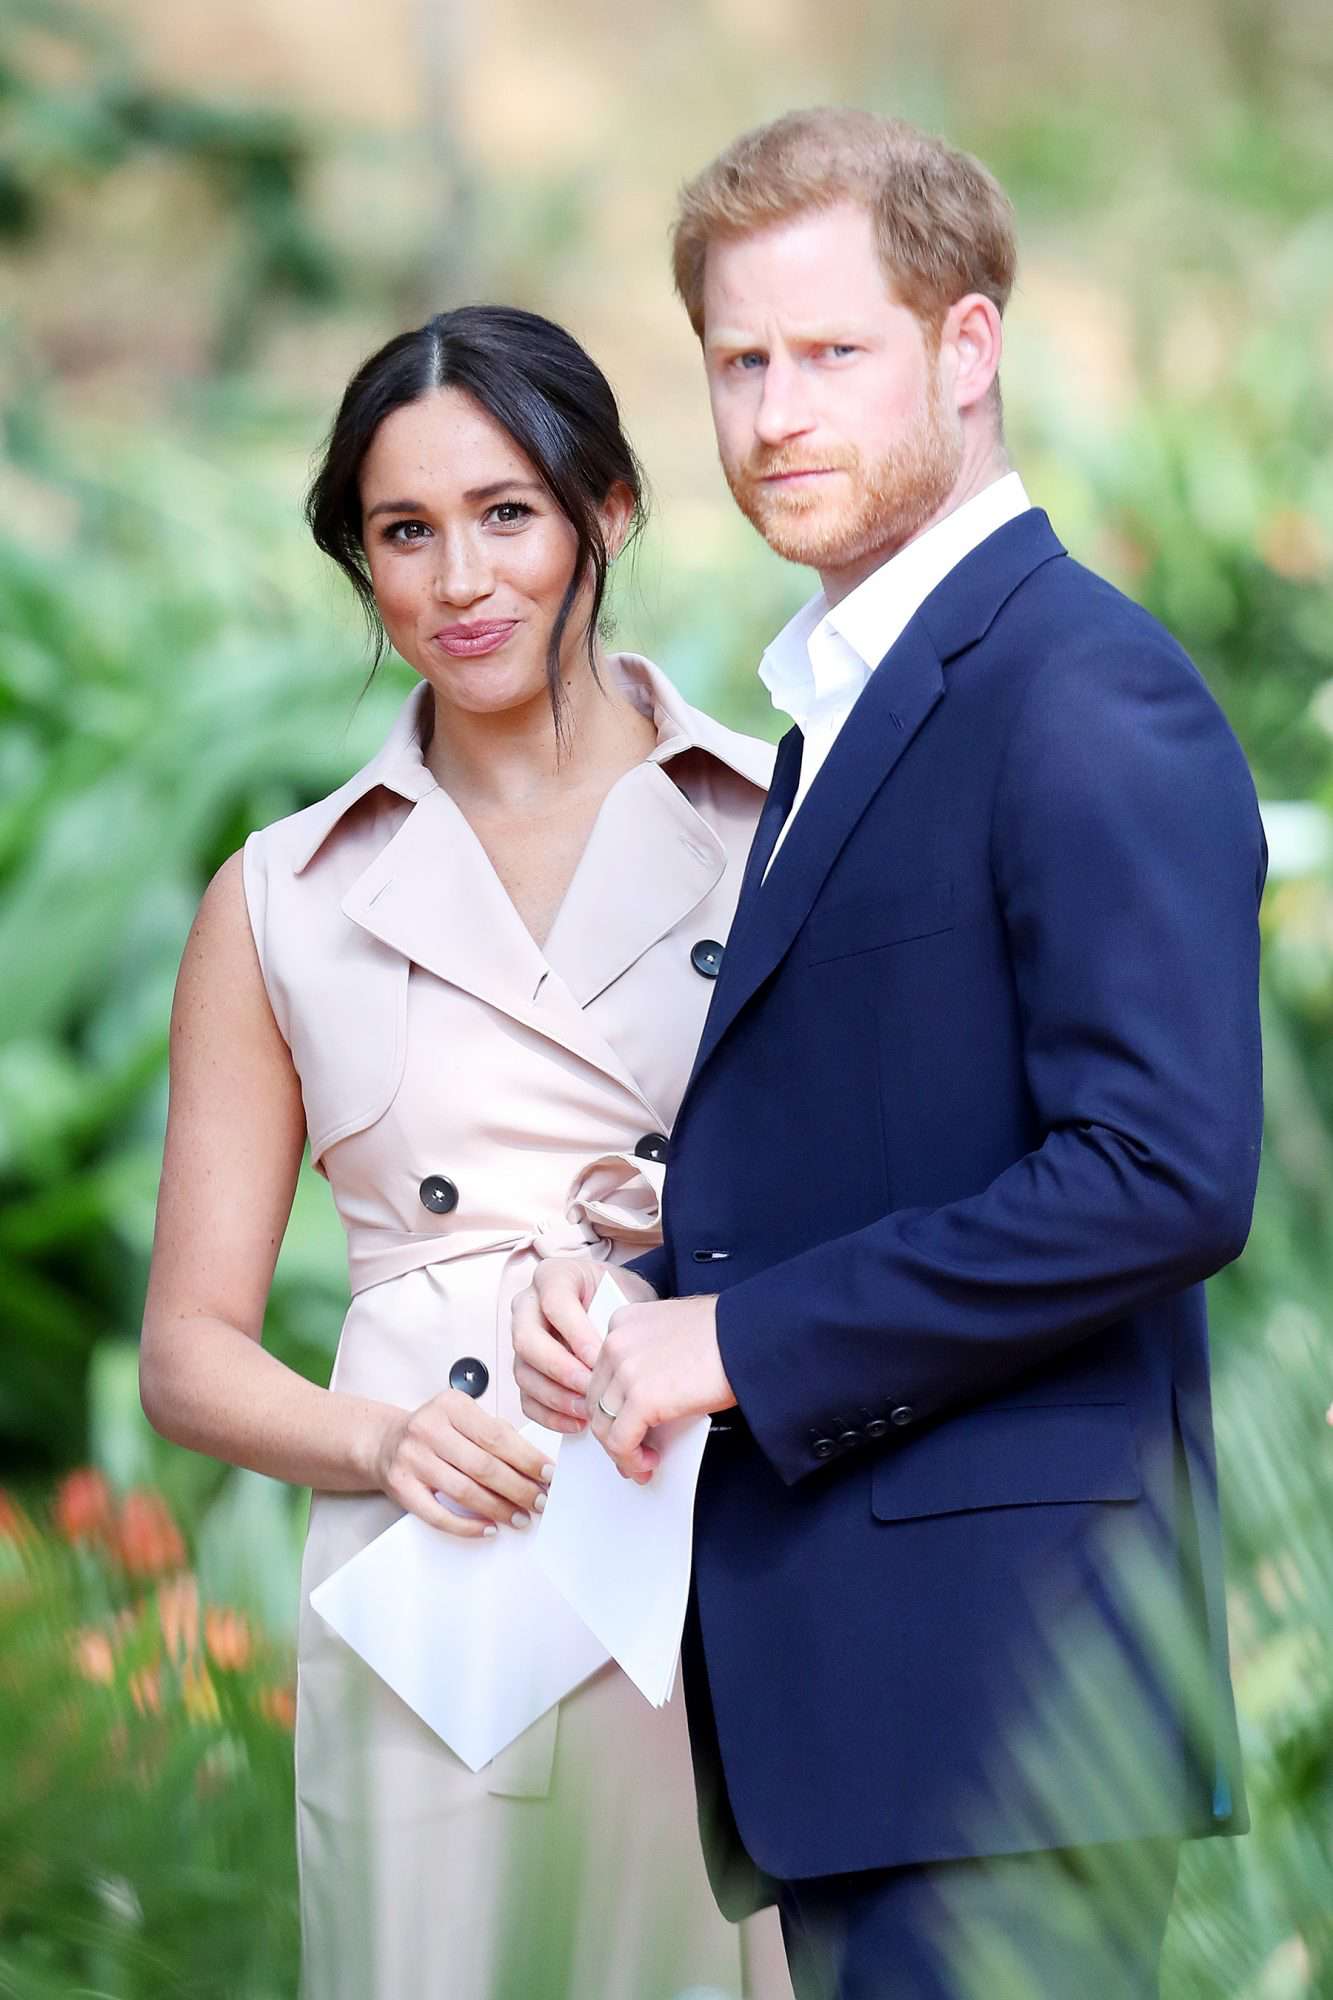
509, 512
403, 532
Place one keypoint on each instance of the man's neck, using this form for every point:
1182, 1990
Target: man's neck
981, 468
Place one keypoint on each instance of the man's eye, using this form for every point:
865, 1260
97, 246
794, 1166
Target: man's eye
839, 348
748, 362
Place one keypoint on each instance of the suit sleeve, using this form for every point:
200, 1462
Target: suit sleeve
1128, 858
655, 1266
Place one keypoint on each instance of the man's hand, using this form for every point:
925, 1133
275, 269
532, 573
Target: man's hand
658, 1362
555, 1345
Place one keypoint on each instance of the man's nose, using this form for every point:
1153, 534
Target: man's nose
784, 408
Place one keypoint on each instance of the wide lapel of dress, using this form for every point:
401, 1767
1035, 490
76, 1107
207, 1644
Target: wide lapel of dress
895, 704
650, 860
651, 857
432, 895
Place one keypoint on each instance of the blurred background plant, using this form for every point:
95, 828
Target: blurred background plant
207, 216
146, 1732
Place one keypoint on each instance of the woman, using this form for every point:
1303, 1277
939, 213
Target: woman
473, 978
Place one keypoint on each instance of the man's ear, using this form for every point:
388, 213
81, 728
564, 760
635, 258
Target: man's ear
616, 515
972, 336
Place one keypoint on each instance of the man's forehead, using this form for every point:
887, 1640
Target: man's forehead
774, 270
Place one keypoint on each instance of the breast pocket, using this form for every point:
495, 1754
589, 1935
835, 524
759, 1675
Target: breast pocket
1033, 1455
348, 1034
871, 921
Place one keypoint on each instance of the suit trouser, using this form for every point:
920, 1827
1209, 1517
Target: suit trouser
1070, 1924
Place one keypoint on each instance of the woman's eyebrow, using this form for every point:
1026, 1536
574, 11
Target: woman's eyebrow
503, 486
395, 507
473, 494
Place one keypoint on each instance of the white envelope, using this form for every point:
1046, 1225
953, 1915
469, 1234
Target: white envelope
620, 1553
470, 1634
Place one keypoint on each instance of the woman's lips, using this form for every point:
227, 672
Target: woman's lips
467, 642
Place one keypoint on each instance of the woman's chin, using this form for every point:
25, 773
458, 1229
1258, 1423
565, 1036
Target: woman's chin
480, 687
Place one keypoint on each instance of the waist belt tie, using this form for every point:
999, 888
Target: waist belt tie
614, 1200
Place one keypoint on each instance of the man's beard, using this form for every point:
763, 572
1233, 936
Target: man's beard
888, 501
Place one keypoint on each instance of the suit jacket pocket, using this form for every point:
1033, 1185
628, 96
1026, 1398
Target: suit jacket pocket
1034, 1455
869, 920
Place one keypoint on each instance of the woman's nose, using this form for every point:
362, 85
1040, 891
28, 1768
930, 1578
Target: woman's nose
462, 573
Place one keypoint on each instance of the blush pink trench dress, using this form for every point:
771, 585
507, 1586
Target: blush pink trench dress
475, 1102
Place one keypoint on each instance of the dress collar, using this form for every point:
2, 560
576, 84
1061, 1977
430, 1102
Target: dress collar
400, 766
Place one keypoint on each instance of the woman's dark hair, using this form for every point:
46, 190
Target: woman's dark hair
542, 388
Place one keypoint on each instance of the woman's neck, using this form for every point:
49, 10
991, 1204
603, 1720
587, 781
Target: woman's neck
513, 761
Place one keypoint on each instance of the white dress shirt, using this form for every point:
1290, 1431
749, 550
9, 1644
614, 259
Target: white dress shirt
821, 660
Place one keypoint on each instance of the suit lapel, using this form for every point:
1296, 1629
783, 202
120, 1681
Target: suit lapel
893, 706
786, 777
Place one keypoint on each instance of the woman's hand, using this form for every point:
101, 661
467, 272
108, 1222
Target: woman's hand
452, 1448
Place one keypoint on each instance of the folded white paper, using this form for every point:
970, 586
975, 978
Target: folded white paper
470, 1634
620, 1553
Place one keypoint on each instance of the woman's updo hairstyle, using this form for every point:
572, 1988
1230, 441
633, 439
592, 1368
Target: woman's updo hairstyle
542, 388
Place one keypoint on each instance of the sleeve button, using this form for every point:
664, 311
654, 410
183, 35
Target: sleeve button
902, 1414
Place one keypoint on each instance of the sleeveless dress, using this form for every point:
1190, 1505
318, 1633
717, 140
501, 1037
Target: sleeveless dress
476, 1102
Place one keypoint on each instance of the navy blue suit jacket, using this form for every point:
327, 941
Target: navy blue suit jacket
977, 1108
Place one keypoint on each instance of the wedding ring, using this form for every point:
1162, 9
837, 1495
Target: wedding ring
613, 1414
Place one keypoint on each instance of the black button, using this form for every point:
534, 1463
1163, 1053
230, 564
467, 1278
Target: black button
822, 1447
652, 1146
469, 1375
439, 1195
903, 1414
849, 1438
706, 958
877, 1427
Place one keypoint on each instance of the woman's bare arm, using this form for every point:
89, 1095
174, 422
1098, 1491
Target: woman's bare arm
235, 1135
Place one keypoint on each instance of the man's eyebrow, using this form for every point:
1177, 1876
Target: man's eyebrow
473, 494
725, 340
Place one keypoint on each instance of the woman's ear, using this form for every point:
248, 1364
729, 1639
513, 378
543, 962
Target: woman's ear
616, 515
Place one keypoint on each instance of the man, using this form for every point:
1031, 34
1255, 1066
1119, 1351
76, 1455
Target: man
977, 1108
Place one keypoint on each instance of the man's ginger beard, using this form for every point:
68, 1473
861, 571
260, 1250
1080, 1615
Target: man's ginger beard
887, 501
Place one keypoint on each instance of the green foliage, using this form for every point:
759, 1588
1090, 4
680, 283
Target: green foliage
172, 674
167, 682
145, 1843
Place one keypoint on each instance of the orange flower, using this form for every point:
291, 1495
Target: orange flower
199, 1696
150, 1541
93, 1656
278, 1704
14, 1524
146, 1690
178, 1616
83, 1509
227, 1638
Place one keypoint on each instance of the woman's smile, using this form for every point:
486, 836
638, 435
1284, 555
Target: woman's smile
470, 640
